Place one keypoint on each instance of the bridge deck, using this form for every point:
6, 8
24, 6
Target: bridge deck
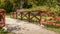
21, 27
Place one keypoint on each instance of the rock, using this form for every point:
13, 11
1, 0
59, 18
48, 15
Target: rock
5, 29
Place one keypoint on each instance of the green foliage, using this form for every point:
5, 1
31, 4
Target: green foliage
13, 5
53, 28
8, 6
26, 4
2, 31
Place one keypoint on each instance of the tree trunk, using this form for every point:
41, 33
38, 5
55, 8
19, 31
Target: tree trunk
21, 4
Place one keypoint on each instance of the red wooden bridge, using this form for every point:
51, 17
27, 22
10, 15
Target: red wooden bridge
36, 16
2, 18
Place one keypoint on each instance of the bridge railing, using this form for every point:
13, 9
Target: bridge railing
33, 16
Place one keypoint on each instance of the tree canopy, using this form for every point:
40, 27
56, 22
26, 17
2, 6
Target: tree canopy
12, 5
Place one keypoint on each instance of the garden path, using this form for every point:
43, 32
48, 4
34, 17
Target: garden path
21, 27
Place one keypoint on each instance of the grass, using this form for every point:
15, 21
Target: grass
2, 31
53, 28
8, 15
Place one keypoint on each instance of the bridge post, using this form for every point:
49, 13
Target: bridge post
21, 15
29, 16
40, 18
16, 15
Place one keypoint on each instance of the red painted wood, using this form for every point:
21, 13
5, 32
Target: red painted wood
40, 14
47, 21
2, 13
